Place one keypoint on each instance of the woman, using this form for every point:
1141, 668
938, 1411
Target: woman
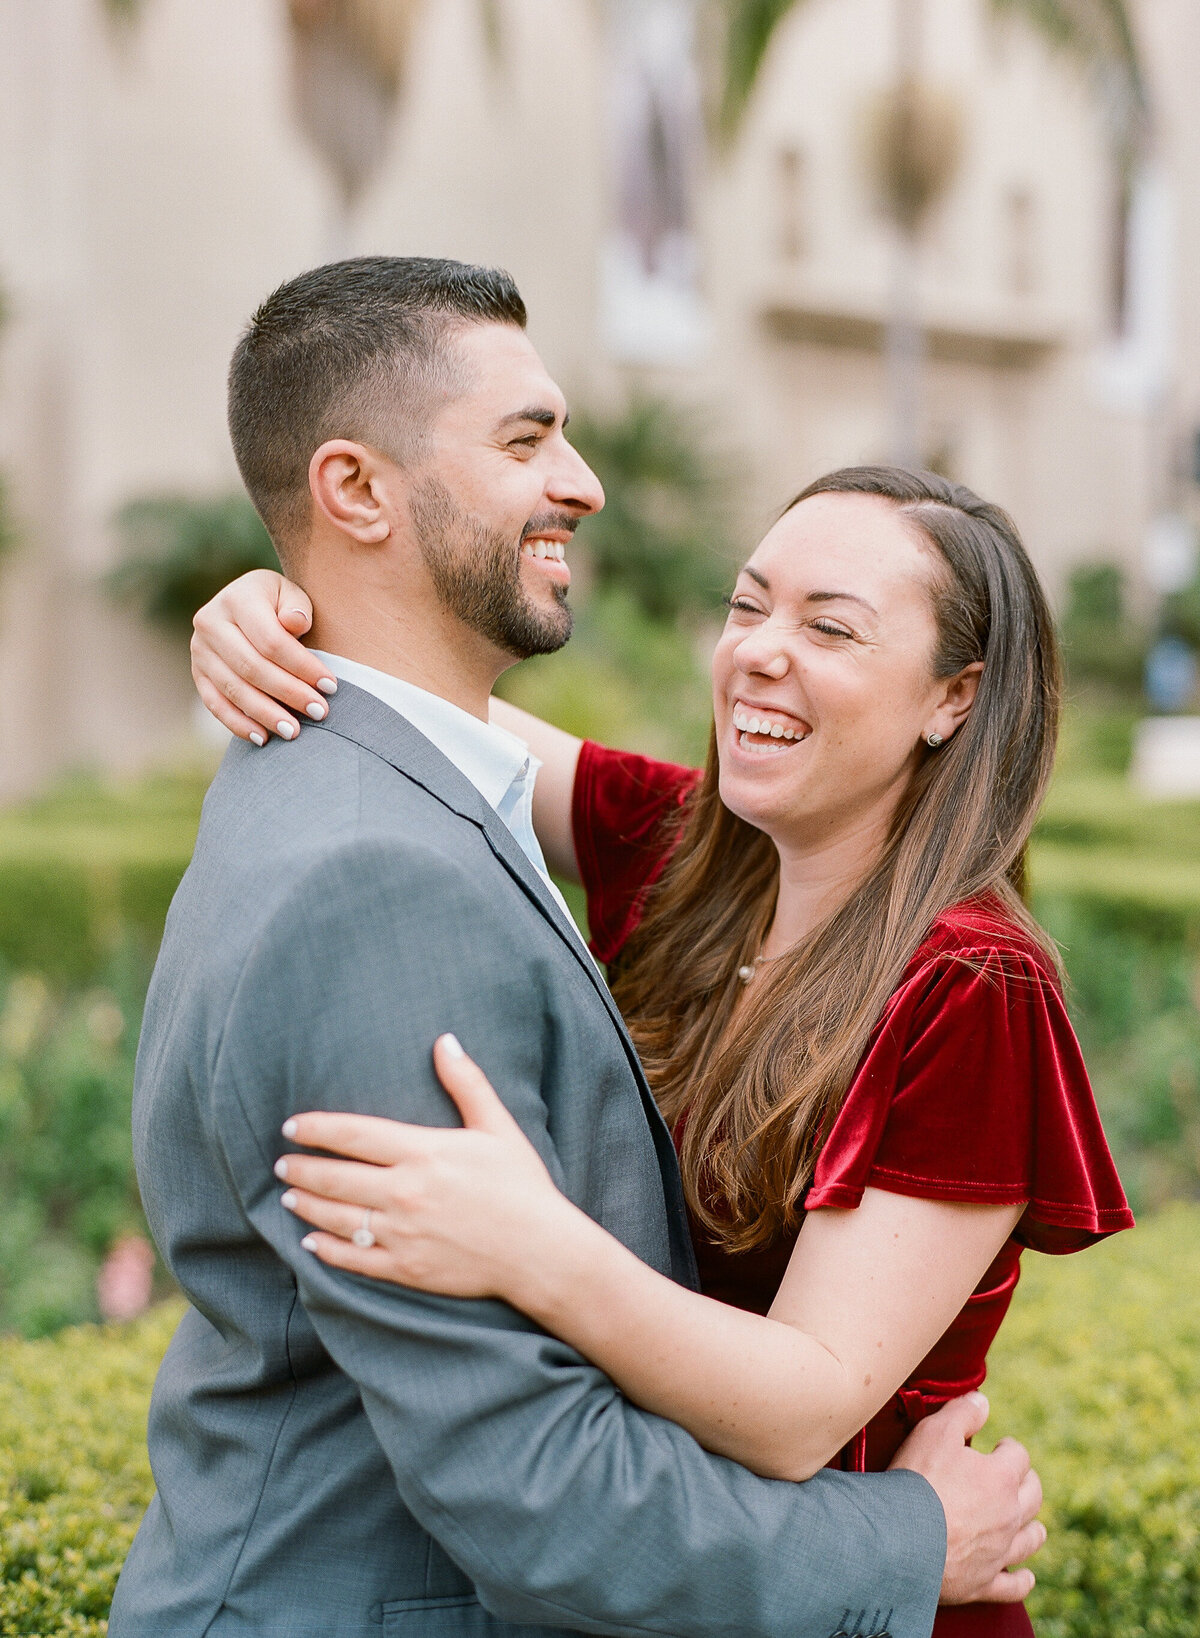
848, 1016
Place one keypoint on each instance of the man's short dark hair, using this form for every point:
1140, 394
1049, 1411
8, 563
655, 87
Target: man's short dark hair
361, 349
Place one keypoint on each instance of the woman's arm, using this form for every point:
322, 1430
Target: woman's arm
866, 1295
248, 662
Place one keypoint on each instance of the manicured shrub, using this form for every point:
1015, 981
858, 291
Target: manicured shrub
1097, 1370
74, 1475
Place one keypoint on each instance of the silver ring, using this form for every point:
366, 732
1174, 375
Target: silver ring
362, 1236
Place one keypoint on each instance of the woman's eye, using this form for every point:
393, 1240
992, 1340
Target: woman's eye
830, 630
743, 605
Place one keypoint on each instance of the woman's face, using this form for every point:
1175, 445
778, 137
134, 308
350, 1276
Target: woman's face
822, 683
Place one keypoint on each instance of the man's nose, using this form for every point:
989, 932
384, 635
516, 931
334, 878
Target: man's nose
573, 485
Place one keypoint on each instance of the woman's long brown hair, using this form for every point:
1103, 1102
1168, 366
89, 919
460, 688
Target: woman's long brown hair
757, 1094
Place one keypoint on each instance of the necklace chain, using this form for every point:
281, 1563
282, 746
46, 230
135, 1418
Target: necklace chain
745, 974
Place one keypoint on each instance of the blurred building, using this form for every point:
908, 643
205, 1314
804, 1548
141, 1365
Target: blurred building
164, 165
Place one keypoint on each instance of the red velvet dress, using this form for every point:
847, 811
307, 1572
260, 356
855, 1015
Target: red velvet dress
972, 1088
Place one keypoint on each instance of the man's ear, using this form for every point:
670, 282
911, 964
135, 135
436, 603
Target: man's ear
957, 698
349, 488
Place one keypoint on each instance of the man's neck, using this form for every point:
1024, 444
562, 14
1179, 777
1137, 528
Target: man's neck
423, 652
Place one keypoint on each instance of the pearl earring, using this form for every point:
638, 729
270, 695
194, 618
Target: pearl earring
933, 741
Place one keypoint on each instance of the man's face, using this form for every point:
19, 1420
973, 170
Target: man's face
498, 495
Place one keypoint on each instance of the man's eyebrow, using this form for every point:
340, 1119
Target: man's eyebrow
540, 414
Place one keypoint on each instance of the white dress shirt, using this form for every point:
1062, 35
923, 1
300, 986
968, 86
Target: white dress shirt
499, 765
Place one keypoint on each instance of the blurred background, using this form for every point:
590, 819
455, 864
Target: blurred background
758, 239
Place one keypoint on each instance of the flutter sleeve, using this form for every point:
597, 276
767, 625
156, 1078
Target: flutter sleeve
620, 812
974, 1089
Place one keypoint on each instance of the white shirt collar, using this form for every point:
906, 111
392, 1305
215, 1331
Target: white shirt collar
489, 756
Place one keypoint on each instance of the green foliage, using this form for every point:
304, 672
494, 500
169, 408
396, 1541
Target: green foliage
66, 1168
624, 679
1179, 615
74, 1475
1102, 644
663, 538
179, 551
1097, 1370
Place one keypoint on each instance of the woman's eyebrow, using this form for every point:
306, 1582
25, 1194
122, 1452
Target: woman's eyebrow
840, 597
815, 596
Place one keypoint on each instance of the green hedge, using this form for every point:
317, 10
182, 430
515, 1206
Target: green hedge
90, 870
1097, 1370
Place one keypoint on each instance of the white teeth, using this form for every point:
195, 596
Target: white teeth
745, 724
539, 548
553, 549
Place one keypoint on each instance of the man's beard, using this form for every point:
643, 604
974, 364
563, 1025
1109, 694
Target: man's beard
476, 573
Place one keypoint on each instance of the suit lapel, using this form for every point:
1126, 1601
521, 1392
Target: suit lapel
358, 716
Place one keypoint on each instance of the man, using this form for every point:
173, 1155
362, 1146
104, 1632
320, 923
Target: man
335, 1457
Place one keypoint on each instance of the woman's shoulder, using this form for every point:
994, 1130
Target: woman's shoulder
983, 930
974, 1089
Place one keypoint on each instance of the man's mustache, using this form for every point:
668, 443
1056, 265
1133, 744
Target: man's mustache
549, 520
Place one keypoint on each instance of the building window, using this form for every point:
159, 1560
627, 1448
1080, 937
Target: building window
791, 204
1020, 242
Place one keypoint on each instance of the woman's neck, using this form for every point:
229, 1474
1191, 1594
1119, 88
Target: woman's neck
815, 879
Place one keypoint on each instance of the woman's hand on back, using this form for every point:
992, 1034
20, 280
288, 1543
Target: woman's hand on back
250, 668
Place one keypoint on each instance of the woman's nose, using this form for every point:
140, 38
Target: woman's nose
761, 655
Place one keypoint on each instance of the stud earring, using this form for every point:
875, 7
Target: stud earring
933, 741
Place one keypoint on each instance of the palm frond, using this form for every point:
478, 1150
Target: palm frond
1101, 35
746, 29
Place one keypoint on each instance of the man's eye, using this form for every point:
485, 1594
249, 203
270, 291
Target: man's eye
531, 442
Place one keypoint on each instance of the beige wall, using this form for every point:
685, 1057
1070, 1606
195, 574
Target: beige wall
153, 187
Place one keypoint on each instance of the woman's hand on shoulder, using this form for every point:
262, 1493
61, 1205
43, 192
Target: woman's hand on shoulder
464, 1212
250, 668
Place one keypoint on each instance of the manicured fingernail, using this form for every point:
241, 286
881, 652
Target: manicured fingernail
289, 1128
257, 739
452, 1046
309, 1242
327, 685
285, 730
281, 1166
317, 711
289, 1198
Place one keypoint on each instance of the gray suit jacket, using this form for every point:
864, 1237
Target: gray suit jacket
337, 1458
